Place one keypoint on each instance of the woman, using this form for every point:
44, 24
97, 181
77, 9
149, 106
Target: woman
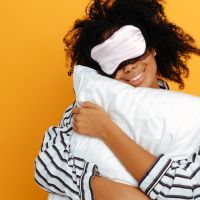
168, 49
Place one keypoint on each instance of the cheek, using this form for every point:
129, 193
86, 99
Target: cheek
150, 74
118, 75
152, 68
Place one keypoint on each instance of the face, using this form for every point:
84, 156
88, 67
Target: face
141, 73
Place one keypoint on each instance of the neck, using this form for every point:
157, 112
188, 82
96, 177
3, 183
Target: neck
155, 84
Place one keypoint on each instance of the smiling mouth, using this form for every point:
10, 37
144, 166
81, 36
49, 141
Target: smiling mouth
137, 77
137, 80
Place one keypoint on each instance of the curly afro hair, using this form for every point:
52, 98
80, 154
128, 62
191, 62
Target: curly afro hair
103, 17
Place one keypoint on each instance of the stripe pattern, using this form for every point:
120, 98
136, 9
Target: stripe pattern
58, 171
163, 84
174, 180
169, 179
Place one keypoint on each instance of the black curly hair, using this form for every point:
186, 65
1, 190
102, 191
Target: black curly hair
103, 17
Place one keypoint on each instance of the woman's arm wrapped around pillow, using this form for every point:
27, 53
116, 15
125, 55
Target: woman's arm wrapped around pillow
159, 178
57, 170
54, 173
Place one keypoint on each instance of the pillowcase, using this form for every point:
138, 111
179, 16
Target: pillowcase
161, 121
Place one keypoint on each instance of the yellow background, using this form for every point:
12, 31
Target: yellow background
34, 86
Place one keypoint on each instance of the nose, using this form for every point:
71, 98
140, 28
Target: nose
129, 67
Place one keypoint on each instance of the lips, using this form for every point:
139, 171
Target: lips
135, 77
138, 79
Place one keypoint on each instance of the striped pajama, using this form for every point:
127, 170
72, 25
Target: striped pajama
58, 171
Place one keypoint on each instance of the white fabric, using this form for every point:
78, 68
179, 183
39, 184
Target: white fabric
173, 129
126, 43
52, 196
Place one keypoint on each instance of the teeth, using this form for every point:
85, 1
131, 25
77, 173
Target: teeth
137, 77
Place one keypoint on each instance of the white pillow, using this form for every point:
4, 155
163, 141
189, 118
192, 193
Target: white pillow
161, 121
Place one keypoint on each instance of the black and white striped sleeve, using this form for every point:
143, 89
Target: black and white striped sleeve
57, 170
168, 179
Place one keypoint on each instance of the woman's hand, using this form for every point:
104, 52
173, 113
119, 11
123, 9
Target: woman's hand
105, 189
90, 119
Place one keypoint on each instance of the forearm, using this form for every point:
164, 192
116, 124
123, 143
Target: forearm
104, 189
162, 177
135, 159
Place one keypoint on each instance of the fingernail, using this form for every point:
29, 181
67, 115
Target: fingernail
79, 103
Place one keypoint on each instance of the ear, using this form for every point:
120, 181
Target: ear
154, 52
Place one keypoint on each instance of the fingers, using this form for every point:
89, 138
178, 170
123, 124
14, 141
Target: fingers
79, 110
76, 110
75, 128
88, 104
75, 119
